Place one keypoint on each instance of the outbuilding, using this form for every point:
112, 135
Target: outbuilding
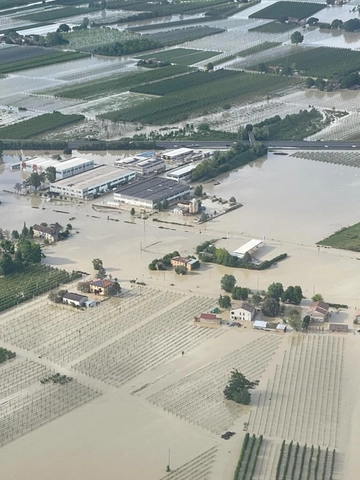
260, 325
75, 299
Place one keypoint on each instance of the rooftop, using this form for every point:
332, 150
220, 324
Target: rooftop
72, 162
260, 324
75, 296
178, 151
40, 161
96, 176
245, 306
46, 229
102, 283
152, 189
320, 307
248, 246
181, 170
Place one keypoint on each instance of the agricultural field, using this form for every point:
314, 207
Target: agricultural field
36, 280
289, 9
35, 403
319, 61
180, 35
196, 100
350, 159
348, 238
273, 27
58, 13
99, 88
50, 58
182, 82
15, 53
143, 349
200, 465
38, 125
87, 40
246, 468
258, 48
182, 56
302, 461
199, 397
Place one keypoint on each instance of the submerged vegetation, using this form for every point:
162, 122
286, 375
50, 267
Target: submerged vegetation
348, 238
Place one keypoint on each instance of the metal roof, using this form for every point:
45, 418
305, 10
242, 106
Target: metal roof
72, 162
154, 189
92, 178
248, 246
177, 152
177, 172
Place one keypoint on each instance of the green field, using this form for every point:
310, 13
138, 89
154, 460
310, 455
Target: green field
182, 82
202, 99
58, 57
37, 125
180, 35
182, 56
273, 27
90, 38
58, 13
119, 84
297, 10
347, 238
319, 61
258, 48
34, 281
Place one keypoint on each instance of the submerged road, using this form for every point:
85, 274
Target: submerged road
303, 144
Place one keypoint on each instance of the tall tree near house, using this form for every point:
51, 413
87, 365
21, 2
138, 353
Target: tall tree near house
101, 273
228, 282
97, 263
238, 388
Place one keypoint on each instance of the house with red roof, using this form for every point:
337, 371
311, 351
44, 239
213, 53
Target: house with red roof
100, 287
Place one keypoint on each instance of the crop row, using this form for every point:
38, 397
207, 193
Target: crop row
100, 88
38, 125
34, 281
241, 87
58, 57
247, 462
258, 48
319, 62
182, 82
288, 9
182, 56
273, 27
58, 13
180, 35
314, 464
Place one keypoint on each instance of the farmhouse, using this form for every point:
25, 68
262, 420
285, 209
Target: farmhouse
208, 319
249, 247
318, 311
188, 263
148, 193
72, 167
50, 233
244, 311
98, 180
75, 299
100, 287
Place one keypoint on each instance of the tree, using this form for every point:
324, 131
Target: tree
17, 187
228, 282
69, 226
337, 24
35, 180
132, 212
239, 293
317, 297
15, 234
85, 23
270, 307
224, 301
232, 200
180, 270
292, 295
210, 67
198, 192
309, 82
256, 299
306, 322
97, 263
50, 174
203, 217
165, 204
312, 21
262, 67
283, 19
238, 388
63, 27
319, 84
114, 289
297, 37
275, 290
294, 319
7, 265
84, 287
101, 273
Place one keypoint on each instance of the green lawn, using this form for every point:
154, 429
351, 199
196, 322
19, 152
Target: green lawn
297, 10
347, 238
182, 56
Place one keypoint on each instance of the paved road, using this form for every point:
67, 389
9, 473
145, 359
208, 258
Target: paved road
335, 145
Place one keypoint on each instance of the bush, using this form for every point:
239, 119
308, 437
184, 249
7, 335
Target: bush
180, 270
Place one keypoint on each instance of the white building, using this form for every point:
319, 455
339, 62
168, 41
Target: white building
177, 154
260, 325
181, 173
38, 164
72, 167
98, 180
143, 166
75, 299
249, 247
244, 311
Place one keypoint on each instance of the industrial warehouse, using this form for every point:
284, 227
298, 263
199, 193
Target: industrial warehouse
148, 193
65, 169
144, 164
85, 185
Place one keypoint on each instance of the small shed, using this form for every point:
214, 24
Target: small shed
208, 319
338, 327
281, 327
260, 325
75, 299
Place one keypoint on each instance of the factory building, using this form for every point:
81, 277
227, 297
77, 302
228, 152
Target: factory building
143, 166
181, 174
147, 193
177, 154
72, 167
38, 164
98, 180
